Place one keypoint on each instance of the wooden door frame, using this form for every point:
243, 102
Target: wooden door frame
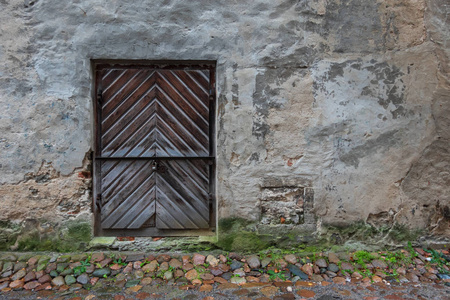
98, 64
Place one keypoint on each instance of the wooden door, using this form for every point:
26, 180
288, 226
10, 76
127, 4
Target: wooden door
154, 156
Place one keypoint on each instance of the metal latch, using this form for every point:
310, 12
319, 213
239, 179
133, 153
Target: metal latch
158, 167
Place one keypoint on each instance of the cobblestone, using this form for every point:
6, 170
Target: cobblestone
220, 277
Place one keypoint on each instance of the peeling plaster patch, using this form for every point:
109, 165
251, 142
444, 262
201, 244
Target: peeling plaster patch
48, 195
267, 96
343, 22
383, 142
366, 82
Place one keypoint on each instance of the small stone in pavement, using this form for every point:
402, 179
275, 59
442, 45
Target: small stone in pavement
19, 275
69, 279
332, 258
265, 262
175, 263
333, 268
306, 293
44, 278
206, 288
31, 285
269, 291
16, 284
132, 283
191, 275
339, 280
30, 276
83, 278
238, 280
101, 272
168, 275
58, 281
307, 268
212, 261
97, 257
321, 263
347, 266
253, 262
290, 258
236, 265
198, 259
379, 264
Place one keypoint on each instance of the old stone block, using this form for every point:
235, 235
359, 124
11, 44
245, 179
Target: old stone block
282, 205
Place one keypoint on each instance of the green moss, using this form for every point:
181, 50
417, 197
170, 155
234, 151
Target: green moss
8, 234
232, 224
243, 242
197, 247
361, 235
74, 237
5, 224
403, 234
80, 232
236, 234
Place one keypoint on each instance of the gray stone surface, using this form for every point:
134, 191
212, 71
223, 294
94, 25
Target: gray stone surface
69, 279
101, 272
58, 281
347, 98
83, 278
333, 268
253, 262
236, 265
99, 242
297, 272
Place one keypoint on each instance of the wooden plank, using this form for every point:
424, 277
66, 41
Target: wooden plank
123, 181
108, 76
112, 141
140, 87
192, 113
117, 85
180, 200
198, 143
163, 112
135, 197
201, 78
199, 103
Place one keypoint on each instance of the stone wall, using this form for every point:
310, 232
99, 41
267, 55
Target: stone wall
346, 98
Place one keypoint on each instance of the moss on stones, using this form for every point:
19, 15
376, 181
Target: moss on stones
236, 234
8, 234
79, 232
72, 236
362, 235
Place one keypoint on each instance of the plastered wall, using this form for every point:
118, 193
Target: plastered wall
346, 98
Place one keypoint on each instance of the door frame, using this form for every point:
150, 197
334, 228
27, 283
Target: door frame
99, 64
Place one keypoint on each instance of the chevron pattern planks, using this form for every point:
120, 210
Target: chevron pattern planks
150, 113
182, 195
155, 113
128, 194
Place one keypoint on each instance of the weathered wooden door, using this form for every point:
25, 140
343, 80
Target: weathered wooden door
154, 156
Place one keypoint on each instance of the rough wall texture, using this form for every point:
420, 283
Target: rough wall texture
349, 98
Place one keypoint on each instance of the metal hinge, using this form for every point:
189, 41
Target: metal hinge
100, 97
98, 202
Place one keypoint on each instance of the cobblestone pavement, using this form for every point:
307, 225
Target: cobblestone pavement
275, 274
